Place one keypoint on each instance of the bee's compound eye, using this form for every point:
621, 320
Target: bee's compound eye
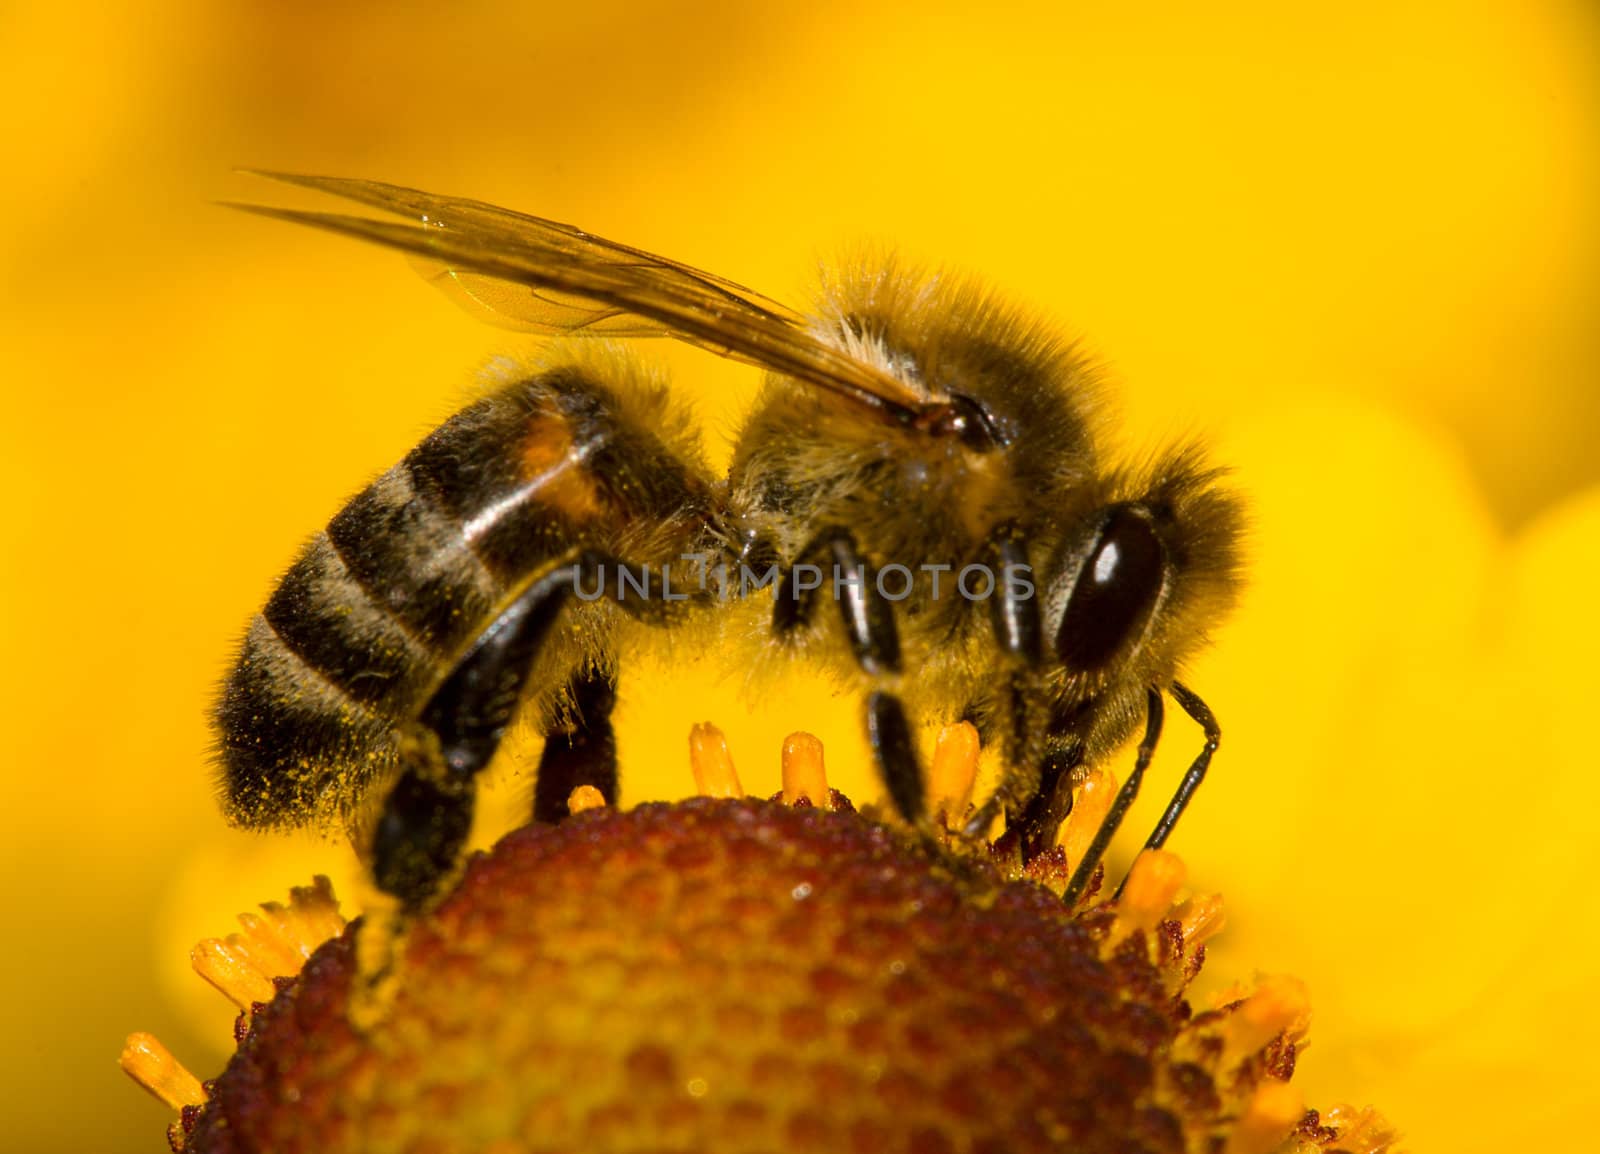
1114, 593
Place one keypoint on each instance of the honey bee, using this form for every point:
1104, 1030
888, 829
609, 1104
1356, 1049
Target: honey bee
916, 496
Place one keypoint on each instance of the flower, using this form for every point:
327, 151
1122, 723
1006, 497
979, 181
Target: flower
730, 974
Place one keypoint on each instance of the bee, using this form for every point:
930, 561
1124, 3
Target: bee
915, 503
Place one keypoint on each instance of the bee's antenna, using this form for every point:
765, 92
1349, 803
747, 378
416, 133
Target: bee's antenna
1197, 709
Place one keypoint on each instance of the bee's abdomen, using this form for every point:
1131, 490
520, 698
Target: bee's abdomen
292, 743
376, 607
325, 616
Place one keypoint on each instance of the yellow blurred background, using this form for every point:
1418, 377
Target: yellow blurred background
1357, 248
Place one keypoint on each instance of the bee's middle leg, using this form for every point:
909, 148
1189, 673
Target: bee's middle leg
869, 624
582, 752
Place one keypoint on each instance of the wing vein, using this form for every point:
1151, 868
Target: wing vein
551, 277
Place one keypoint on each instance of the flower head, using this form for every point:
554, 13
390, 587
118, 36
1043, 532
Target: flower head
731, 974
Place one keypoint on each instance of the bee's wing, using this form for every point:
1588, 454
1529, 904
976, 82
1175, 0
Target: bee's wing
551, 277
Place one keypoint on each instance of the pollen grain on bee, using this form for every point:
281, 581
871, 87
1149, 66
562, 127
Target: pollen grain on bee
699, 577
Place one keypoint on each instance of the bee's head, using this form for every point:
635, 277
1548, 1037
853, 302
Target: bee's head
1138, 575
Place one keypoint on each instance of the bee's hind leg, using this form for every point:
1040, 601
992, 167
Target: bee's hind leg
416, 847
428, 812
869, 624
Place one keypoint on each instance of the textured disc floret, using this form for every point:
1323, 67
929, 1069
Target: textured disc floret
734, 975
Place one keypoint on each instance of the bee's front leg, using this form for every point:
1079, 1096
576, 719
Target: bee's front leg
1028, 786
1039, 822
869, 624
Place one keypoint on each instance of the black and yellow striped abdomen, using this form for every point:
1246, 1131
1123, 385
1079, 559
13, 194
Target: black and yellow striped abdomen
406, 576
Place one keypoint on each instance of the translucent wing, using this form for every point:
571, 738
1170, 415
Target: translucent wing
549, 277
